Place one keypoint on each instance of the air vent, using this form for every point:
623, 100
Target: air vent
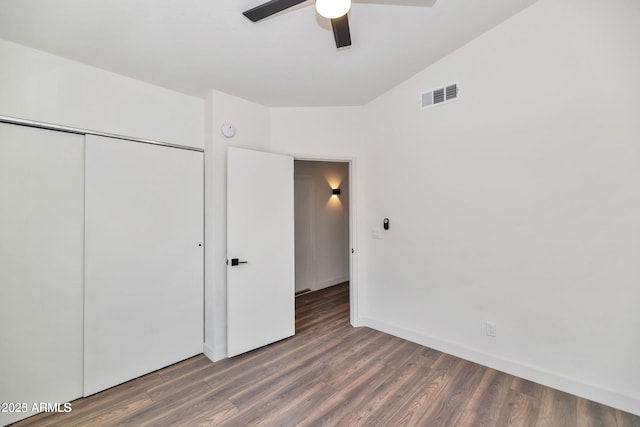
440, 95
452, 92
427, 99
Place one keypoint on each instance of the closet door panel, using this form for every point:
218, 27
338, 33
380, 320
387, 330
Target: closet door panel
143, 259
41, 267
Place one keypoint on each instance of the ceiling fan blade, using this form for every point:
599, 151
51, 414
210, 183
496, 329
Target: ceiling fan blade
341, 31
270, 8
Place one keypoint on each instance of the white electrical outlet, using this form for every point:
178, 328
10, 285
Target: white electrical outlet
491, 328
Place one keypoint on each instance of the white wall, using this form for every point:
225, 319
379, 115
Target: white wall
519, 203
318, 132
252, 131
39, 86
329, 237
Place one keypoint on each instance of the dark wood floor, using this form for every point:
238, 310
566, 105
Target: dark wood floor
330, 374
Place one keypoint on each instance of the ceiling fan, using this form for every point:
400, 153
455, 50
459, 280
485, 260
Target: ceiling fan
335, 10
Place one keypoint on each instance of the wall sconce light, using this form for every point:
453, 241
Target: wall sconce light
336, 191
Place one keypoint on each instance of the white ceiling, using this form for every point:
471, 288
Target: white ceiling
289, 59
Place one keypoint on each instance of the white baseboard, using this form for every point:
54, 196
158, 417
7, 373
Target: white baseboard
550, 379
215, 353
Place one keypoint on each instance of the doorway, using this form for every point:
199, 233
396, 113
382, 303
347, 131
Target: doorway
322, 225
261, 234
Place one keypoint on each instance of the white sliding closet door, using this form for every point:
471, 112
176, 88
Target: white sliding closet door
41, 256
143, 259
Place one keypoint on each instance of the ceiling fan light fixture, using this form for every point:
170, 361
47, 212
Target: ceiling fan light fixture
332, 9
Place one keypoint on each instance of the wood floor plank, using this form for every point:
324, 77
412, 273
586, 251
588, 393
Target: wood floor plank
356, 364
529, 388
451, 402
168, 407
334, 408
114, 415
178, 385
207, 412
559, 408
331, 374
234, 378
299, 407
278, 398
487, 400
592, 414
520, 410
401, 352
414, 390
625, 419
384, 398
299, 374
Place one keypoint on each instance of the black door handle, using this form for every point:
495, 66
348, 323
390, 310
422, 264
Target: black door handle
236, 261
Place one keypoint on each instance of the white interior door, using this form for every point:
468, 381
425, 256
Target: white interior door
41, 267
143, 259
260, 232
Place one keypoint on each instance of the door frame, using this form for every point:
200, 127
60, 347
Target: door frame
353, 273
